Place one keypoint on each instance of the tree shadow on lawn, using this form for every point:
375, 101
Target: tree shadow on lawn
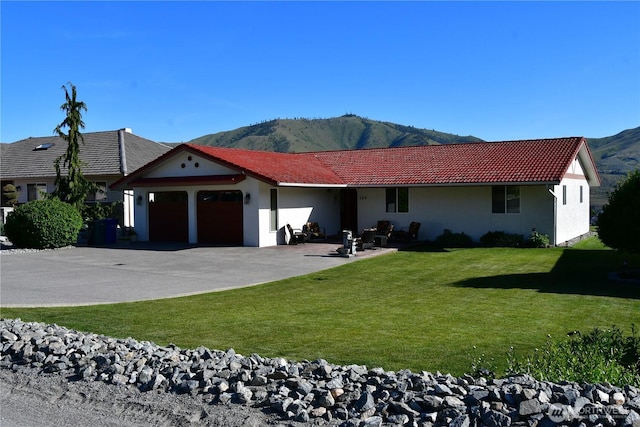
578, 272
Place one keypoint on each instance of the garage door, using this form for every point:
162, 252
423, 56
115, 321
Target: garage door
220, 218
168, 217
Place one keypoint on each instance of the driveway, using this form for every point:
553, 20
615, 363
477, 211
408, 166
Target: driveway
137, 272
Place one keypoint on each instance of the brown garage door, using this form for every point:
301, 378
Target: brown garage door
220, 218
168, 217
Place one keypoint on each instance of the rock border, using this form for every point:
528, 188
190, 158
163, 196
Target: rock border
315, 391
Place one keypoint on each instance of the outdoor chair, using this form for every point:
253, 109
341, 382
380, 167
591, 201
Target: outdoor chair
383, 232
367, 239
314, 231
295, 235
410, 233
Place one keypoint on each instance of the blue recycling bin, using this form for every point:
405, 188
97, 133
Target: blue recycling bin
103, 231
110, 230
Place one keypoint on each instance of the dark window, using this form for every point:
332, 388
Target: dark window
397, 199
273, 213
36, 191
505, 199
581, 196
100, 195
564, 194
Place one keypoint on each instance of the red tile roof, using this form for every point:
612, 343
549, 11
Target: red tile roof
542, 160
515, 162
278, 168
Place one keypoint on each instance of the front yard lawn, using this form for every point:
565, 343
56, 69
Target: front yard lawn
422, 310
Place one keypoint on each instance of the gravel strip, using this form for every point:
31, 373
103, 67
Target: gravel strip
180, 386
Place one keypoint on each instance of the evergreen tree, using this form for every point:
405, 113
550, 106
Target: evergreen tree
619, 222
9, 195
74, 187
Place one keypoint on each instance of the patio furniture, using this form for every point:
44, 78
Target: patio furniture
410, 233
295, 235
314, 231
383, 232
367, 239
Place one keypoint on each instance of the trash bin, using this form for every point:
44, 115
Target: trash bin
97, 232
110, 230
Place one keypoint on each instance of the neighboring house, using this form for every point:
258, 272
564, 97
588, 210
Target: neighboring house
107, 156
212, 195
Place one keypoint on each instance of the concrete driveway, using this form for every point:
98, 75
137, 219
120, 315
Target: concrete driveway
136, 272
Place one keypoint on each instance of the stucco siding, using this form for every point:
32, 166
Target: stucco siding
188, 164
459, 209
572, 213
297, 206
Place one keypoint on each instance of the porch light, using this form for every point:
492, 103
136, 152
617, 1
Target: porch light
139, 200
247, 198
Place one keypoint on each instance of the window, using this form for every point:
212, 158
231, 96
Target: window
100, 195
564, 194
397, 199
273, 213
581, 197
36, 191
505, 199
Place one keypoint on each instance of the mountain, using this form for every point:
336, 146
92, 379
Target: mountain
347, 132
614, 156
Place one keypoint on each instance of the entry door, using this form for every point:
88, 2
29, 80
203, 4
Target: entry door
220, 218
168, 216
349, 209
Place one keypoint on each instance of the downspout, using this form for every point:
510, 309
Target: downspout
555, 215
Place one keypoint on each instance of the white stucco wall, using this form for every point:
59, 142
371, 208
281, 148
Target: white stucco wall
572, 214
459, 209
296, 206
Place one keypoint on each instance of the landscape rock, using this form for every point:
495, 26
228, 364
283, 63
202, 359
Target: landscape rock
315, 392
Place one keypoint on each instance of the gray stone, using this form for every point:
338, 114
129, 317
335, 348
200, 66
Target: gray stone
495, 419
365, 402
374, 421
461, 421
529, 407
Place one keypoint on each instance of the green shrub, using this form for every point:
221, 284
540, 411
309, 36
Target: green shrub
538, 240
602, 355
453, 240
42, 224
501, 239
618, 225
9, 195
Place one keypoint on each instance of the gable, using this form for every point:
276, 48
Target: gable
188, 164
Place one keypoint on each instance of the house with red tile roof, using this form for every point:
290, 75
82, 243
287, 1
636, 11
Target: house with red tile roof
214, 195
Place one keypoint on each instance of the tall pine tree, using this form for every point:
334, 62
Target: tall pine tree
73, 187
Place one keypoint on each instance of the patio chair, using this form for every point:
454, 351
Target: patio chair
314, 231
295, 235
367, 239
383, 232
410, 233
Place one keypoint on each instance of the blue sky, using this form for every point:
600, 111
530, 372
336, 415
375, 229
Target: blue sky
174, 71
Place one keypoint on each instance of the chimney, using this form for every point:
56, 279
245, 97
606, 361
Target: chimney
123, 157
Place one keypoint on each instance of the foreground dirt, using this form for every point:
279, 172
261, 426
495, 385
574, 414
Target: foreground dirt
28, 399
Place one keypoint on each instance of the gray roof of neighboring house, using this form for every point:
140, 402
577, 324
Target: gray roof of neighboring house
100, 153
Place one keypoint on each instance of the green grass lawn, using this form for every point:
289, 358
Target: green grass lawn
421, 310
